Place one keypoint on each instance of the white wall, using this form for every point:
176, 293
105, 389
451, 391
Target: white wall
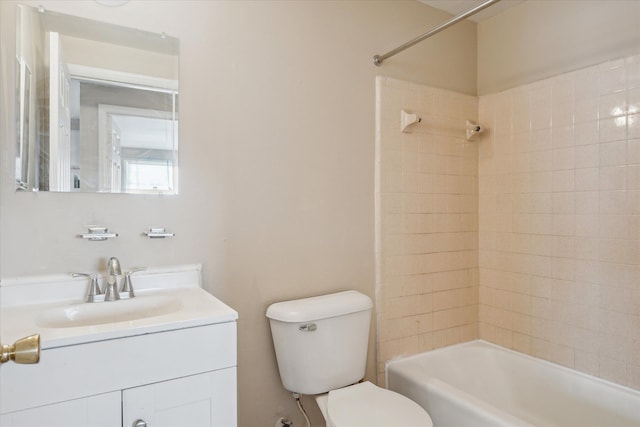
540, 39
276, 152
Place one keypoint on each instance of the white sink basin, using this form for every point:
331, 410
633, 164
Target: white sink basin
167, 298
98, 313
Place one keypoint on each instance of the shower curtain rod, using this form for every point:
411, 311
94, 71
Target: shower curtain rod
379, 59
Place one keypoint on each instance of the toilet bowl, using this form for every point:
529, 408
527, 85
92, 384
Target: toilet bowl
367, 405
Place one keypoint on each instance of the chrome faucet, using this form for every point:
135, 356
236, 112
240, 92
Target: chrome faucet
111, 291
113, 273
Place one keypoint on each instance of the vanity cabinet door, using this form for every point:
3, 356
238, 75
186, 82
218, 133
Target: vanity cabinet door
203, 400
103, 410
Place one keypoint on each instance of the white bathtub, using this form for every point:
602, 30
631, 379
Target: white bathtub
480, 384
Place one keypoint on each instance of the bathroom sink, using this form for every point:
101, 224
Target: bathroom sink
84, 314
167, 299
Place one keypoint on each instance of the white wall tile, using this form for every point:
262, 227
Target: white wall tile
428, 246
582, 269
547, 205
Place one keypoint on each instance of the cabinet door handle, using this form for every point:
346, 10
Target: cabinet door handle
139, 423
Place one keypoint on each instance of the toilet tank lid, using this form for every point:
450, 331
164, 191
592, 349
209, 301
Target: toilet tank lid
320, 307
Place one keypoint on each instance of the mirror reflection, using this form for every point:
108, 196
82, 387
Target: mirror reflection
96, 106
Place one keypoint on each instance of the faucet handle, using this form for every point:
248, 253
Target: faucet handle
127, 286
82, 274
95, 294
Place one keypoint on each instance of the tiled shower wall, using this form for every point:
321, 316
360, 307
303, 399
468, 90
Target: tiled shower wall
558, 213
559, 184
426, 220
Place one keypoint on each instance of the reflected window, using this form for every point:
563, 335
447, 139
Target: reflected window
142, 176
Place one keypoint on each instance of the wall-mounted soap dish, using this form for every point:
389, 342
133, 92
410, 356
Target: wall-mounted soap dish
97, 233
158, 233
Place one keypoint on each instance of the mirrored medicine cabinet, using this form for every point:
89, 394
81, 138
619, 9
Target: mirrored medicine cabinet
96, 106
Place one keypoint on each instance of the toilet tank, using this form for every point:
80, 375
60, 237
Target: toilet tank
321, 342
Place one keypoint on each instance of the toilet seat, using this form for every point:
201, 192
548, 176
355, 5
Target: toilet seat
367, 405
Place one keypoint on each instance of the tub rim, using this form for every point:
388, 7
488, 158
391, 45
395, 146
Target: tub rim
515, 353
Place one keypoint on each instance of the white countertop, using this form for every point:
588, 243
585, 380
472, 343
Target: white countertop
27, 301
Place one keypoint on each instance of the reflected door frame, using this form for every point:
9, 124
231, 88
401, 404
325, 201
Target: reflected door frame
59, 118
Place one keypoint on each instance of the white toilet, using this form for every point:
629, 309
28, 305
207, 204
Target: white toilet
321, 347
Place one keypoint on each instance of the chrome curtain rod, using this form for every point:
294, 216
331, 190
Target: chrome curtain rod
379, 59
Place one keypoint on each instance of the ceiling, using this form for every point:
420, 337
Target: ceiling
456, 7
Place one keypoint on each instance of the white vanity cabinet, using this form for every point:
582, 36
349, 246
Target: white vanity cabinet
202, 400
175, 378
197, 401
176, 368
96, 411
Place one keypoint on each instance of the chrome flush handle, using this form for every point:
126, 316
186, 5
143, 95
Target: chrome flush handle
308, 327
